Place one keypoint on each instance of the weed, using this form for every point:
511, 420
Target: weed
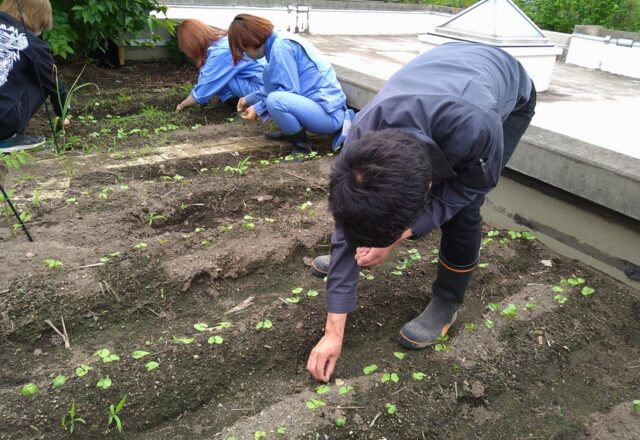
441, 344
52, 263
29, 389
59, 380
400, 355
114, 411
370, 369
341, 421
15, 160
104, 383
35, 198
281, 430
259, 435
153, 217
151, 365
241, 168
139, 354
511, 311
489, 323
390, 407
469, 326
418, 375
70, 424
264, 325
140, 246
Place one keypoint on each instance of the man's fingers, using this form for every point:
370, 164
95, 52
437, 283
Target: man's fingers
318, 374
331, 365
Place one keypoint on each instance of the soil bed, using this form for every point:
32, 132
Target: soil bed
151, 248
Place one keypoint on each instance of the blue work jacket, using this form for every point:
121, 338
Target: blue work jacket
296, 66
455, 98
219, 76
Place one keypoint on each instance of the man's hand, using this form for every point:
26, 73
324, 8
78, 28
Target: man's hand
242, 105
249, 114
325, 354
369, 257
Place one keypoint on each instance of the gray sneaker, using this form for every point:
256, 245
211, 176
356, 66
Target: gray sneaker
19, 142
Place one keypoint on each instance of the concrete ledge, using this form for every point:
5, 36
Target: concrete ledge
602, 176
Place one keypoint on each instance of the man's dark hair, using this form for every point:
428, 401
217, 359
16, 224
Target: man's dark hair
378, 186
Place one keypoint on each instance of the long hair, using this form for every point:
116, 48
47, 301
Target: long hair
37, 13
195, 37
247, 31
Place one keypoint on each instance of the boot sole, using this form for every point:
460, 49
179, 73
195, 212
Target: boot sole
419, 345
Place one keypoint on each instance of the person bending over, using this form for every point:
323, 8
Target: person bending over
218, 74
27, 74
301, 91
421, 155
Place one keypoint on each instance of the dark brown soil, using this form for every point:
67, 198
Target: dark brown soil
553, 371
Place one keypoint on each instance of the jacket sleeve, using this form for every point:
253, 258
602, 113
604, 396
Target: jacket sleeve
343, 275
216, 72
40, 55
256, 99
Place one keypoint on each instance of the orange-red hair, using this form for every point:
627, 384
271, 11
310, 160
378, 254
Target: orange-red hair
247, 32
195, 37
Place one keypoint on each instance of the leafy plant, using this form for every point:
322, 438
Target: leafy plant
82, 370
341, 421
560, 298
140, 246
306, 208
511, 311
104, 383
314, 404
281, 430
418, 375
153, 217
530, 306
139, 354
483, 265
408, 262
441, 345
390, 407
586, 291
29, 389
323, 389
344, 389
106, 355
400, 355
370, 369
59, 380
259, 435
241, 168
489, 323
263, 325
222, 325
312, 293
114, 411
52, 263
201, 326
636, 405
469, 326
70, 423
389, 377
492, 306
152, 365
215, 340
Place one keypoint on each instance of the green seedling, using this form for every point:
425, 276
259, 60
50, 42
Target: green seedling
323, 389
154, 218
264, 163
306, 208
573, 281
341, 421
215, 340
636, 405
390, 407
297, 290
489, 323
106, 355
71, 201
586, 291
162, 241
344, 389
312, 293
469, 326
52, 263
29, 389
183, 340
222, 325
366, 275
199, 230
259, 435
241, 168
407, 263
201, 326
492, 306
59, 380
82, 370
418, 375
560, 298
483, 265
264, 325
269, 220
314, 404
441, 344
557, 289
178, 178
107, 258
293, 299
389, 377
151, 365
308, 190
140, 246
35, 198
139, 354
511, 311
281, 430
504, 241
248, 225
114, 411
104, 194
104, 383
530, 306
70, 423
226, 228
124, 188
400, 355
186, 236
369, 369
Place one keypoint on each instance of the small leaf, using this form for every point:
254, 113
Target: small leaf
391, 408
323, 389
59, 380
312, 293
102, 353
29, 389
370, 369
636, 405
341, 421
483, 265
297, 290
259, 435
217, 340
557, 289
183, 339
82, 370
222, 325
469, 326
281, 430
314, 404
418, 375
586, 291
560, 298
489, 323
150, 366
492, 306
139, 354
104, 383
530, 306
293, 299
400, 355
394, 378
201, 326
344, 389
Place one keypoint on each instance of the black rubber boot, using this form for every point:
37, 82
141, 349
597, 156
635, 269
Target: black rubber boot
301, 146
274, 135
320, 266
441, 312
